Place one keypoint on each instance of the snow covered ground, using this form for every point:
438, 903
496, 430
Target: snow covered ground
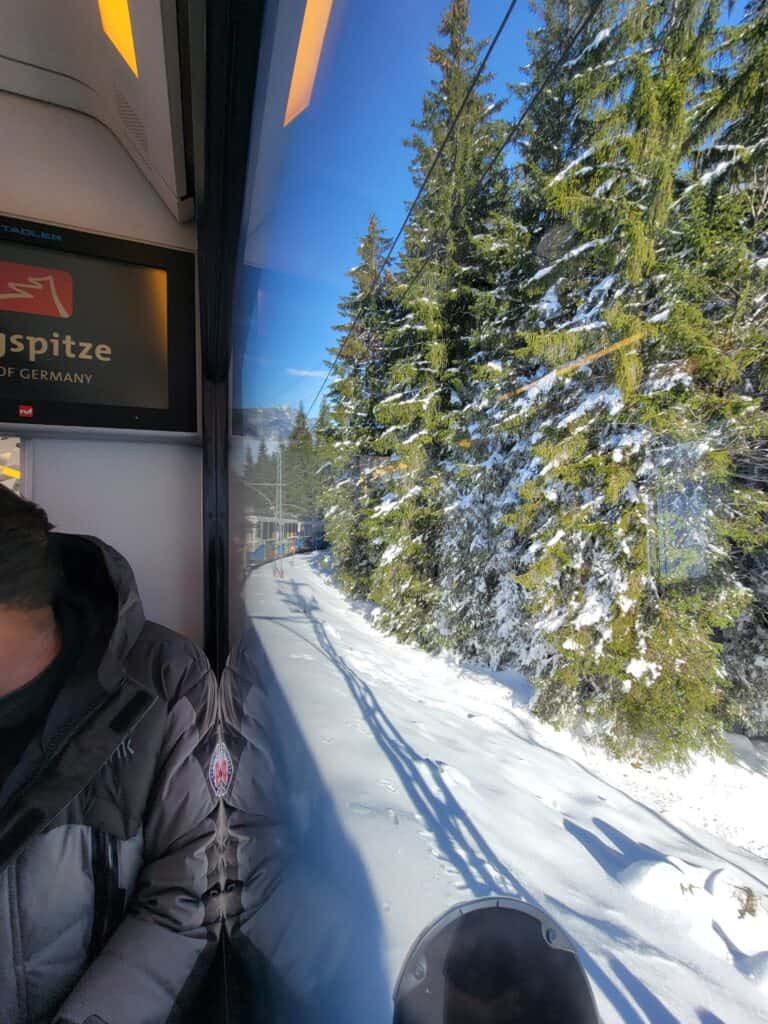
447, 788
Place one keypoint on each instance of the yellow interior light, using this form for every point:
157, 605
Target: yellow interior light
313, 28
116, 23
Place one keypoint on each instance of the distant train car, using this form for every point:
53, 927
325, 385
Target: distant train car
257, 556
311, 542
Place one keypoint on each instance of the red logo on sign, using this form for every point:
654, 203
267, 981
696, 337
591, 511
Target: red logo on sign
39, 290
27, 411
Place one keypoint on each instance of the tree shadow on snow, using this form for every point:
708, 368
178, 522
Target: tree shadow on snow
738, 859
752, 755
619, 937
632, 999
523, 731
618, 853
458, 839
650, 1004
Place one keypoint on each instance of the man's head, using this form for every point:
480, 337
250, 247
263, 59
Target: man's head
25, 575
29, 637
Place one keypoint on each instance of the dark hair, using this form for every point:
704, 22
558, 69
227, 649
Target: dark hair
25, 573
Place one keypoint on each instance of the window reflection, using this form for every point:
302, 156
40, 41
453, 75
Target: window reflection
503, 470
10, 463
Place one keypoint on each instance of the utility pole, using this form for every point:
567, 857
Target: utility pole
279, 500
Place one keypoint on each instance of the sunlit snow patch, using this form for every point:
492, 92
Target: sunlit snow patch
717, 909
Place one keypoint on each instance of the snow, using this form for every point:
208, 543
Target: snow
601, 36
429, 782
639, 667
549, 304
716, 172
391, 553
576, 251
594, 610
541, 386
390, 502
608, 397
569, 167
665, 376
606, 186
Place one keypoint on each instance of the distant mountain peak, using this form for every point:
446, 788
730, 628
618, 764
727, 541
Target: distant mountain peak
271, 424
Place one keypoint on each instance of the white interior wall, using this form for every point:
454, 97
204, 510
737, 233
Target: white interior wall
142, 496
143, 499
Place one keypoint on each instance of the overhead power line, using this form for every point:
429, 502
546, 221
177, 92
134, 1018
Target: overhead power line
515, 129
556, 67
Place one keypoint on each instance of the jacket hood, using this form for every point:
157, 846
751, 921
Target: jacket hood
99, 581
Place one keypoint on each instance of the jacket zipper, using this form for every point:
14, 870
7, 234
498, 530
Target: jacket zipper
109, 898
17, 950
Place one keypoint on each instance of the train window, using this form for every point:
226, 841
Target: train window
499, 502
10, 462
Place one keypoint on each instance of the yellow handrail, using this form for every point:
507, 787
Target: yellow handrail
578, 363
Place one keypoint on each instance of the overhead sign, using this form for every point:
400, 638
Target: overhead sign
103, 332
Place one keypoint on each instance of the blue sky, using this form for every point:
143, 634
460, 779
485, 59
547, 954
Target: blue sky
344, 159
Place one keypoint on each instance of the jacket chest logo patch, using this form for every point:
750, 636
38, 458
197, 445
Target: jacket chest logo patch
221, 770
125, 750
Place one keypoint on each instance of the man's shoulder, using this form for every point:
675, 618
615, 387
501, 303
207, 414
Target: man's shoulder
170, 664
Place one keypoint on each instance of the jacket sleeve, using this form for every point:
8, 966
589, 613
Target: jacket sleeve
284, 920
152, 965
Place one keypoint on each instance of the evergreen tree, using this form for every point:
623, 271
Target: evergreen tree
624, 514
481, 613
726, 206
300, 470
260, 476
547, 440
350, 429
446, 270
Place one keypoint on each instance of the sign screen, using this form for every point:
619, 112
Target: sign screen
81, 330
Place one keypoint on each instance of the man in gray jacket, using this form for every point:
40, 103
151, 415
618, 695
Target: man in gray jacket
301, 919
112, 774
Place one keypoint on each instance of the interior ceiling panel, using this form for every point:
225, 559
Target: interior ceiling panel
114, 60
